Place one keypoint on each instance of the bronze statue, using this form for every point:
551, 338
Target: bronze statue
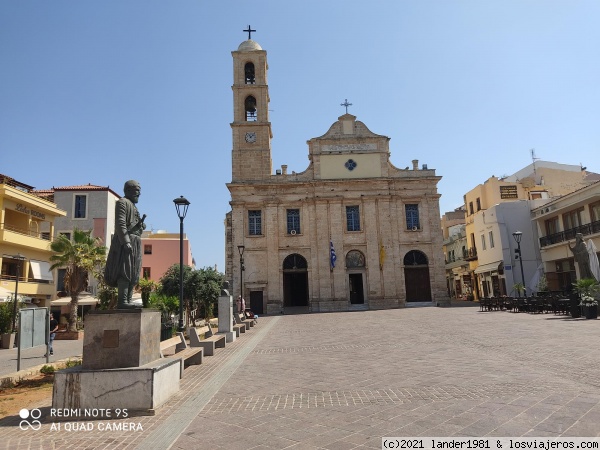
582, 257
124, 260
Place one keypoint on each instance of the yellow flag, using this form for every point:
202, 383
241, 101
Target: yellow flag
381, 255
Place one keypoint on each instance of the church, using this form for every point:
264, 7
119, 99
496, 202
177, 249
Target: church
351, 232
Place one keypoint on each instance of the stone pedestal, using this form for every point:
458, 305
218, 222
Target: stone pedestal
119, 338
226, 316
122, 367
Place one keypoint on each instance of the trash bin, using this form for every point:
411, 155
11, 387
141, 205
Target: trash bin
166, 331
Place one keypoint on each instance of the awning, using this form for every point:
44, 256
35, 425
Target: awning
491, 267
5, 293
41, 270
82, 301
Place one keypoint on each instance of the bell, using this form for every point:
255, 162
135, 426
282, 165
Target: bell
250, 104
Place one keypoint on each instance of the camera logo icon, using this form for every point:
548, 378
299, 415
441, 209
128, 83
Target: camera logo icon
30, 419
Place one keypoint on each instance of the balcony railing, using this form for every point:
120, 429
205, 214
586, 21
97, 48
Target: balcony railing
569, 234
36, 234
471, 254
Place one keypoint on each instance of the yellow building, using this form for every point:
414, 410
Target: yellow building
538, 182
25, 243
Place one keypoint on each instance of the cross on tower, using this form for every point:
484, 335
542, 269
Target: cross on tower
249, 31
346, 104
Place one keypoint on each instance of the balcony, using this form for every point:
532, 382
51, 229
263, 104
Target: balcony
471, 254
563, 236
24, 238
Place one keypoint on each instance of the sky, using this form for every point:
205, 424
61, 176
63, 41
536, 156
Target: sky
102, 92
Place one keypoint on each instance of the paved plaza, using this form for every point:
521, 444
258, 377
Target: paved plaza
344, 380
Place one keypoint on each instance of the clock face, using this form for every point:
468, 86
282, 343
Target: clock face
251, 137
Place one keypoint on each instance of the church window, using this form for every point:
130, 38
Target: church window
350, 165
412, 217
254, 223
80, 207
293, 221
352, 218
250, 107
249, 73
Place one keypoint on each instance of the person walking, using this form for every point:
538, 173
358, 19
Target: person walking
53, 330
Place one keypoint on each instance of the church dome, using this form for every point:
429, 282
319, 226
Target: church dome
248, 46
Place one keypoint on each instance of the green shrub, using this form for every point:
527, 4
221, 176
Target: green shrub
47, 370
73, 363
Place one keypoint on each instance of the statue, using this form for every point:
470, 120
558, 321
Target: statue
582, 257
124, 260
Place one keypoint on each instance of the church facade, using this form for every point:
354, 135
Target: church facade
350, 232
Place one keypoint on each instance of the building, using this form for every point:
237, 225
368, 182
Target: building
557, 223
381, 223
535, 184
458, 277
89, 208
161, 251
27, 223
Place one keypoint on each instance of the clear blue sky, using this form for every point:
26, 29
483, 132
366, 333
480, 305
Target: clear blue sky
105, 91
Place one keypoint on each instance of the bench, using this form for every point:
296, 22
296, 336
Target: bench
209, 343
187, 355
246, 322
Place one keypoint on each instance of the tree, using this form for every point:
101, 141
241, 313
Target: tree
169, 284
79, 257
209, 289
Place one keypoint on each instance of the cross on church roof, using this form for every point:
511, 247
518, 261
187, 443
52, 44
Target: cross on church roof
249, 31
346, 104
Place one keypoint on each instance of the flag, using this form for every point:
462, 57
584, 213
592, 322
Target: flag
332, 257
381, 255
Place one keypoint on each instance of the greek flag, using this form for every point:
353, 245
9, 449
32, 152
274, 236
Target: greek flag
332, 256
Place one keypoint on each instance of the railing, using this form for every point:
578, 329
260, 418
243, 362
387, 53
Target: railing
471, 254
569, 234
36, 234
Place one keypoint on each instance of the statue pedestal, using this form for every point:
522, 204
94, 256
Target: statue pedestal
226, 317
122, 367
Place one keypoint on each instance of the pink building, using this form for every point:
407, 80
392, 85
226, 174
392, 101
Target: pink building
161, 251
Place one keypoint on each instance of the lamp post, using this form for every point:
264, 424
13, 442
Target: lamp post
19, 259
181, 205
242, 268
518, 235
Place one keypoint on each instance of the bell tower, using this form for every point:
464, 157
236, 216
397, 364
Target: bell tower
251, 129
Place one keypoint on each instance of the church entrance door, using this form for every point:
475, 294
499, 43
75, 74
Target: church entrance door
357, 295
295, 281
416, 277
256, 302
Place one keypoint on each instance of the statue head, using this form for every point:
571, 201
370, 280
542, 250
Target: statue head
132, 190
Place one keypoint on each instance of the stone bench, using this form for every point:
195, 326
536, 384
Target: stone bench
187, 355
209, 343
239, 321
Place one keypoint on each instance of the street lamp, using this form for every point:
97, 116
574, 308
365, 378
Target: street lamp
181, 205
19, 259
518, 235
242, 268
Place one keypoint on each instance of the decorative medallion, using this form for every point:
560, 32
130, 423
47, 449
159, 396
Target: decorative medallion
350, 164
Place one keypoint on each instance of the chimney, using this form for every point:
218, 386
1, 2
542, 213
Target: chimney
284, 169
415, 164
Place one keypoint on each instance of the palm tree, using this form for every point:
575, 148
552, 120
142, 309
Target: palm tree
79, 257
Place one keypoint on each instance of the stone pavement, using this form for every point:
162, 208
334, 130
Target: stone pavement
344, 380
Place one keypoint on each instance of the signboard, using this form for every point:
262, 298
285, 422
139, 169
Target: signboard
508, 191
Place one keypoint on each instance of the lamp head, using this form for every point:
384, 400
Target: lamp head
241, 249
517, 235
181, 205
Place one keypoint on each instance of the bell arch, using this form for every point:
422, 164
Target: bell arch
250, 108
249, 73
416, 277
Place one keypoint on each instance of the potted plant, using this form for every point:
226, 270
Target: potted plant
587, 288
6, 315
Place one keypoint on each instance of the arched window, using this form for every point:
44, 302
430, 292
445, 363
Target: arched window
249, 73
294, 262
415, 258
250, 107
355, 259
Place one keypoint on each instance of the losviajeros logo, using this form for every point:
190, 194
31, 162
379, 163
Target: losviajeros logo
30, 419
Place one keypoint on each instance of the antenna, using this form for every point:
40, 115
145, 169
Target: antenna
533, 158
